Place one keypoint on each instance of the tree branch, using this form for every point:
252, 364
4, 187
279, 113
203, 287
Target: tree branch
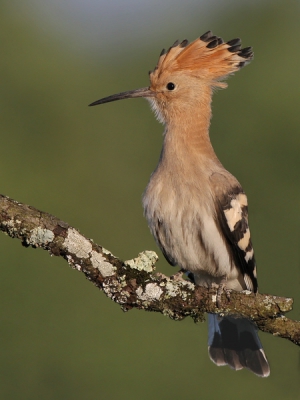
133, 283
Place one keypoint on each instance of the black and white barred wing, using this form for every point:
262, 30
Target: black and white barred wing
232, 216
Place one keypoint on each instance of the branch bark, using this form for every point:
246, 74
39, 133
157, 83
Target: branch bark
134, 283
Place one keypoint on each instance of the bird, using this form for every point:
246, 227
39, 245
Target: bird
196, 210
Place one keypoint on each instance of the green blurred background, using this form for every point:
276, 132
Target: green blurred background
60, 337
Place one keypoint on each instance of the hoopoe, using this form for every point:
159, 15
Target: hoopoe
196, 210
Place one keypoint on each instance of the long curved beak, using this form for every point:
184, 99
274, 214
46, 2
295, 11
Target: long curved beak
143, 92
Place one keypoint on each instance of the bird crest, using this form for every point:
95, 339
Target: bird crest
207, 57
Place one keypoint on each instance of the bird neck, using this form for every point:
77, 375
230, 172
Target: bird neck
187, 136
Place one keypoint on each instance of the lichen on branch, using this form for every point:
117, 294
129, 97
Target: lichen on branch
134, 283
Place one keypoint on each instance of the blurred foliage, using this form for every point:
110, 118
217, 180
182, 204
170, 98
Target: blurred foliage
60, 337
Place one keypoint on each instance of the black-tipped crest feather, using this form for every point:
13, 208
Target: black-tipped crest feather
175, 44
184, 43
234, 49
206, 36
212, 44
234, 42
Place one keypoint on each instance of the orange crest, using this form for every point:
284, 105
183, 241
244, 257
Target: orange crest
208, 58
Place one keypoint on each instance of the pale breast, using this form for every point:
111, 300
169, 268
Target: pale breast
182, 220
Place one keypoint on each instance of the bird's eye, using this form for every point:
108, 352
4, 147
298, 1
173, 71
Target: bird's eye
170, 86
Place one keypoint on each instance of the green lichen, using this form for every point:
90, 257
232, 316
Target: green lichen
145, 261
40, 236
98, 261
151, 292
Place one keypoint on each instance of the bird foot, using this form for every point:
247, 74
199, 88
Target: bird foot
222, 288
178, 276
161, 276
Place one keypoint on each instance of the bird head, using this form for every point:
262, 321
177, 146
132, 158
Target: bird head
187, 73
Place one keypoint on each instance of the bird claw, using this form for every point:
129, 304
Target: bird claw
178, 276
222, 288
161, 276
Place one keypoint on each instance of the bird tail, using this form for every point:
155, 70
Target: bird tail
235, 342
